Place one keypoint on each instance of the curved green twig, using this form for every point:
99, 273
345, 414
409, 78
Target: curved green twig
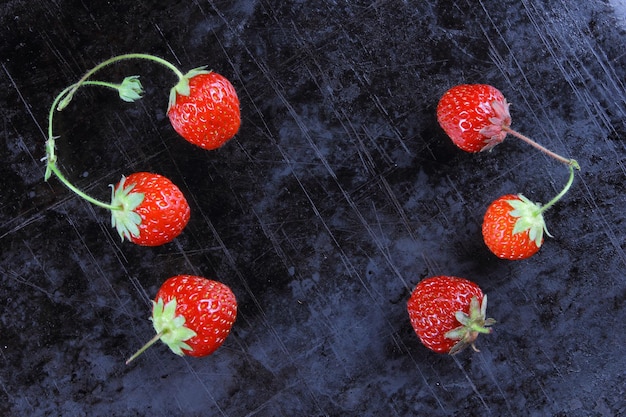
564, 191
63, 103
51, 158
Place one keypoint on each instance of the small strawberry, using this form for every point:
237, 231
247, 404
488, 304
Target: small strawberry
476, 117
513, 227
448, 313
148, 209
192, 315
473, 115
204, 109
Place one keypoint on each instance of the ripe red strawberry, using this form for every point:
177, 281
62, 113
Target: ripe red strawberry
192, 315
473, 115
204, 109
152, 210
476, 117
448, 313
513, 227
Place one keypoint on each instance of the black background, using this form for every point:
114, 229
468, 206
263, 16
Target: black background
337, 196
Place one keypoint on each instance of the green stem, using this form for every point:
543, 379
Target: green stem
151, 342
80, 193
552, 202
51, 166
103, 84
569, 162
110, 61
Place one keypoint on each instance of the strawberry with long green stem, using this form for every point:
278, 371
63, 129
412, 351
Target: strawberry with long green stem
513, 227
476, 117
147, 209
203, 106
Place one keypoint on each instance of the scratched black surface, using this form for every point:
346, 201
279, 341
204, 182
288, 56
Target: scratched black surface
339, 193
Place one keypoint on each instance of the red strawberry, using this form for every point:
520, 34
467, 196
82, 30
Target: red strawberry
513, 227
152, 210
204, 109
192, 315
448, 313
473, 115
476, 117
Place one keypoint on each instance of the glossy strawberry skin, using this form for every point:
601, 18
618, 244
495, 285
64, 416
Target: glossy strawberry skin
209, 116
497, 229
209, 308
473, 115
164, 210
432, 307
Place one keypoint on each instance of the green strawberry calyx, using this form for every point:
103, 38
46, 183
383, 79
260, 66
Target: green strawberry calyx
130, 89
529, 218
472, 325
170, 329
170, 326
124, 201
182, 87
530, 215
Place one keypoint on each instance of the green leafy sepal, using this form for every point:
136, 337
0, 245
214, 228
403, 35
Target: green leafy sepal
472, 325
131, 89
50, 157
124, 218
529, 217
170, 326
182, 87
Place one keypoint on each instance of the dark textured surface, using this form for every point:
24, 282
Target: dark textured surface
339, 194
